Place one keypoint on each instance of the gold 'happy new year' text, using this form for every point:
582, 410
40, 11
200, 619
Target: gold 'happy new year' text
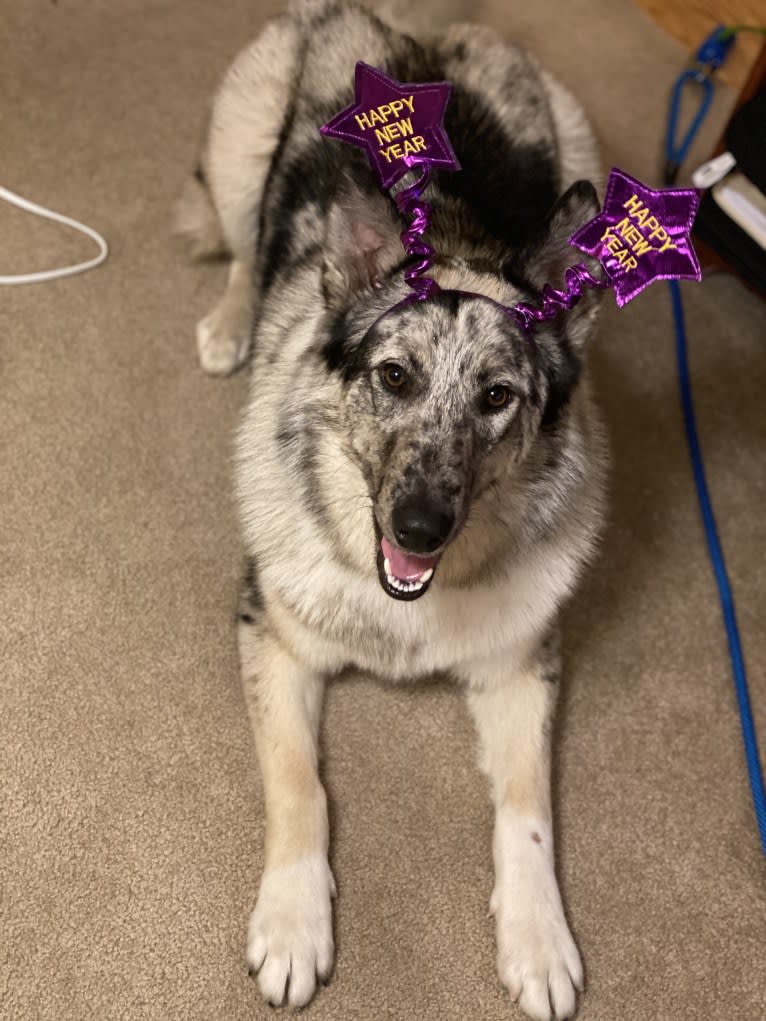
393, 127
628, 243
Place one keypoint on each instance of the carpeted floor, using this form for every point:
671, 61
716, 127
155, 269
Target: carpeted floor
131, 815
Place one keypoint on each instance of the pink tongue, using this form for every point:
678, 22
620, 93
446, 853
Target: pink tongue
406, 566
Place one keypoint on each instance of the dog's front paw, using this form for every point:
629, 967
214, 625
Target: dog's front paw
537, 959
289, 942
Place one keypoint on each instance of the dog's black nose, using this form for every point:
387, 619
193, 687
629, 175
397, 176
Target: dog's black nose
420, 527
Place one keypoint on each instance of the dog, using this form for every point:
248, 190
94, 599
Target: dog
419, 489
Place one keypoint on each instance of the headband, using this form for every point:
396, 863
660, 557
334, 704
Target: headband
641, 234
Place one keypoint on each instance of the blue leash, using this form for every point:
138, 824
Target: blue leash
719, 567
677, 153
710, 56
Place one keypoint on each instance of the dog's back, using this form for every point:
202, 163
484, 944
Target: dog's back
520, 138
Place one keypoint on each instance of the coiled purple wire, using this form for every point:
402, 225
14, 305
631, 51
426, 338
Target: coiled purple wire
577, 278
412, 205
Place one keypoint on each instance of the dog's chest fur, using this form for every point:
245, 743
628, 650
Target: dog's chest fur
337, 623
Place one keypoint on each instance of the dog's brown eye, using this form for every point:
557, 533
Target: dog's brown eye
498, 397
393, 376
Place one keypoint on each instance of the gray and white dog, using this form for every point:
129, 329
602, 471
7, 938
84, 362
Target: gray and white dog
418, 492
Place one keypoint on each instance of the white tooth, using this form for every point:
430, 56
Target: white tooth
387, 567
427, 576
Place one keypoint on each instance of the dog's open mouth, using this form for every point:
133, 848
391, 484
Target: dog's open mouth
404, 575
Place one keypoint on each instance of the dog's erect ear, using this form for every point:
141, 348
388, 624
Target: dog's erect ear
547, 257
361, 244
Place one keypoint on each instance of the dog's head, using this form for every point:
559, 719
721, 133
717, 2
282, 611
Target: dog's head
444, 399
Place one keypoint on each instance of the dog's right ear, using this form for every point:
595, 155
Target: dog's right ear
361, 244
547, 257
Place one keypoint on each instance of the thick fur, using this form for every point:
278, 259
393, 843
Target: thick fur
327, 451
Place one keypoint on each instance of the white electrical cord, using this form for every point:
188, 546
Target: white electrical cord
64, 271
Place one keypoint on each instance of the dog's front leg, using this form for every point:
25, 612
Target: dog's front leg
290, 940
536, 956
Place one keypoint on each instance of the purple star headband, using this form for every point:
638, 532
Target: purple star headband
641, 235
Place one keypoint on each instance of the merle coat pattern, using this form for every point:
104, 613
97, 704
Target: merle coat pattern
418, 492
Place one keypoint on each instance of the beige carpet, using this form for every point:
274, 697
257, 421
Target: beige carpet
131, 813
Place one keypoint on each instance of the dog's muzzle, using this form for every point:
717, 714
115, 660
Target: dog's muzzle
420, 529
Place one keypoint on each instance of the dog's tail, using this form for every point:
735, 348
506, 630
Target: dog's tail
195, 220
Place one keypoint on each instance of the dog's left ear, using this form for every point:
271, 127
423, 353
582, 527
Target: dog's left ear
547, 257
361, 244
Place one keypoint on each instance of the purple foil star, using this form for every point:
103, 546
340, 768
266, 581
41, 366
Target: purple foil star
641, 235
399, 125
